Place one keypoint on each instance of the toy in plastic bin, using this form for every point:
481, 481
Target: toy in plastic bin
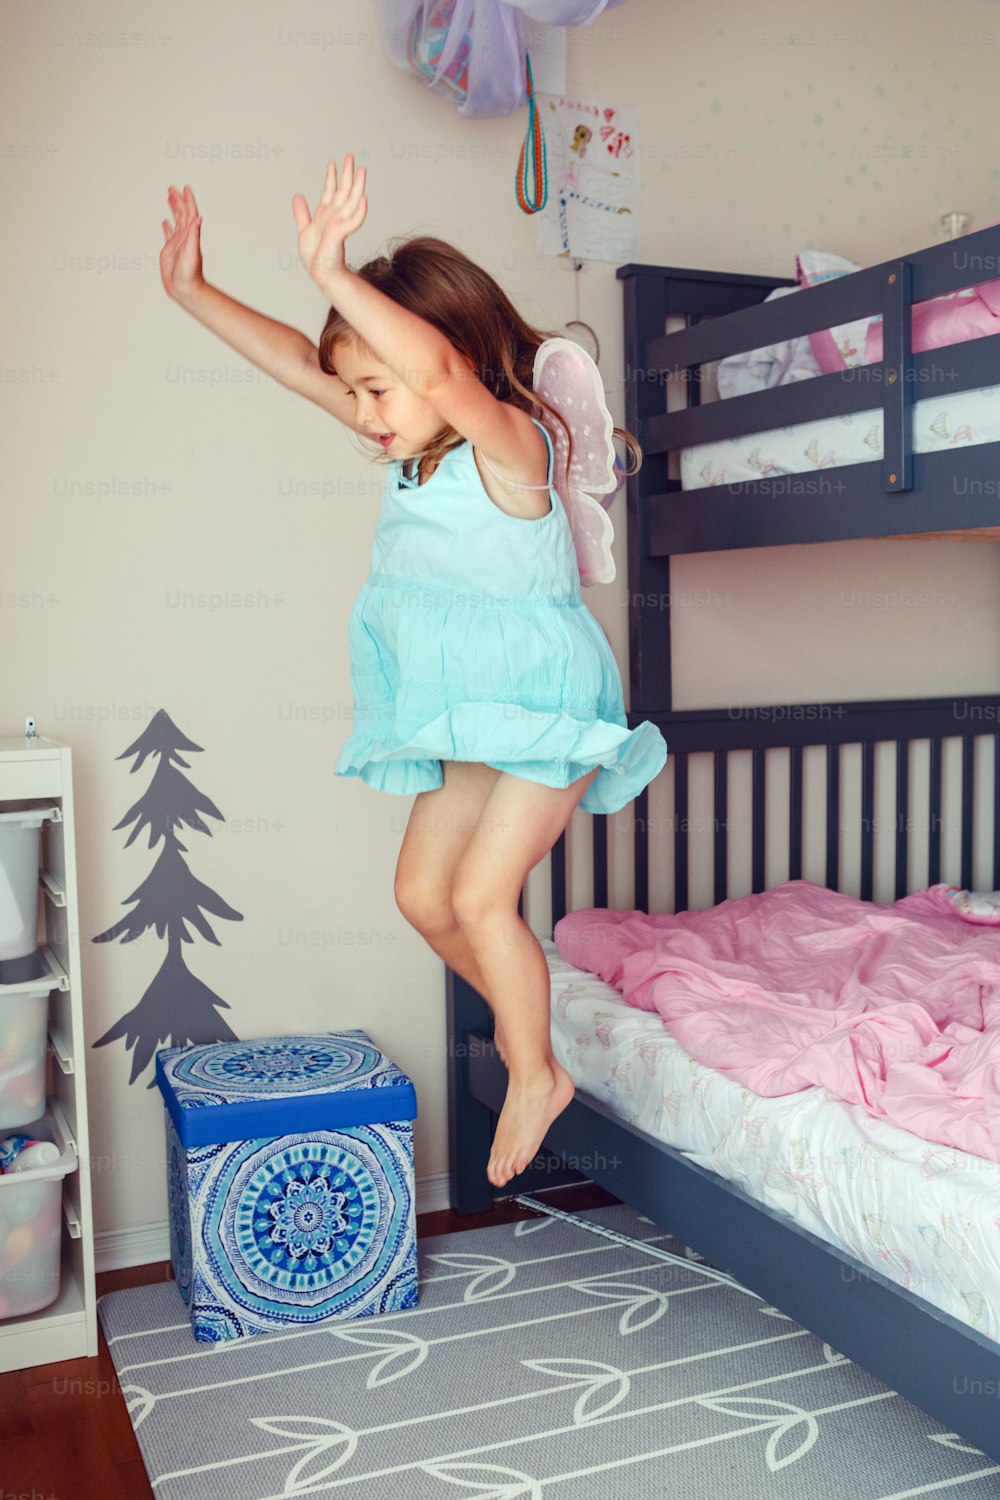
31, 1190
21, 1153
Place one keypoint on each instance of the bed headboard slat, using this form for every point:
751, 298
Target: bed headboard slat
758, 820
641, 859
968, 771
934, 817
681, 825
902, 815
557, 878
867, 820
720, 824
833, 816
600, 827
795, 825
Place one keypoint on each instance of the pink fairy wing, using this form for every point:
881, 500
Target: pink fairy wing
566, 377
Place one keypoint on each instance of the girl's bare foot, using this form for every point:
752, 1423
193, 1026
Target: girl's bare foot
527, 1113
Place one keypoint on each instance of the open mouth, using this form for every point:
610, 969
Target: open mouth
385, 438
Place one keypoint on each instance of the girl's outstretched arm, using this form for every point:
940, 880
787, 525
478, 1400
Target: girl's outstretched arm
417, 351
279, 350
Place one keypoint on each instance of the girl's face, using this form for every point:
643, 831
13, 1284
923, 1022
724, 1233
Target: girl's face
385, 408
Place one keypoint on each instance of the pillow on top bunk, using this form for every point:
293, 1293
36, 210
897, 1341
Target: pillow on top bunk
776, 364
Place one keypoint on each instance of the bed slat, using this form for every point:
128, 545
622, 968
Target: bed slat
968, 766
720, 822
557, 878
934, 819
641, 857
902, 815
795, 813
758, 820
867, 820
600, 832
833, 817
680, 832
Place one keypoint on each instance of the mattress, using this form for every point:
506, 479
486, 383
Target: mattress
924, 1216
939, 422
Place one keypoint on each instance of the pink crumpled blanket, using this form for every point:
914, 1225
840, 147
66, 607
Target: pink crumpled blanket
896, 1008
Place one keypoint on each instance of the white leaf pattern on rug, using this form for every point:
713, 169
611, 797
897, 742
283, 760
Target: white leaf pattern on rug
954, 1440
833, 1358
591, 1373
138, 1402
486, 1266
531, 1226
634, 1298
491, 1487
784, 1418
395, 1346
322, 1436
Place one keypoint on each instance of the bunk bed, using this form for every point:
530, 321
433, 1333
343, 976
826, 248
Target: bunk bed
934, 1357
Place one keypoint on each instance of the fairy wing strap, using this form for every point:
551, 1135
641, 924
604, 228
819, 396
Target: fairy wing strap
567, 378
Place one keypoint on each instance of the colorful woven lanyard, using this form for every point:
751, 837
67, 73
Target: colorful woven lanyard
533, 203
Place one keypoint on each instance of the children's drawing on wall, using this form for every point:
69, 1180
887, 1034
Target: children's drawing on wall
591, 212
177, 1008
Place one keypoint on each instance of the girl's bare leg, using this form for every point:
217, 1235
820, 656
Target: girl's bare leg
519, 823
440, 825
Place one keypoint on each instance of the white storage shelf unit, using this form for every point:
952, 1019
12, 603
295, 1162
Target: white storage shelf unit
39, 770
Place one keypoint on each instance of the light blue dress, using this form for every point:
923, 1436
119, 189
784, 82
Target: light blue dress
469, 641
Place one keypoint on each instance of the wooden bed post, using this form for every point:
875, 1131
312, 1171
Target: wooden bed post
470, 1123
649, 577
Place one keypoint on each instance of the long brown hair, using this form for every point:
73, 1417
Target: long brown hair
448, 290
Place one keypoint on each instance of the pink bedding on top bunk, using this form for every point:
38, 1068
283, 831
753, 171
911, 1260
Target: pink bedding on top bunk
896, 1008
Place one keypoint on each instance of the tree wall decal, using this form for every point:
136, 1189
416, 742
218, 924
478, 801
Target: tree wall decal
177, 1008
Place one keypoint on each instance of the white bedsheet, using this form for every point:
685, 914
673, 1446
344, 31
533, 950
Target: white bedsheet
939, 422
924, 1216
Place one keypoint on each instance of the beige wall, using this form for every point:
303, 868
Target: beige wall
146, 466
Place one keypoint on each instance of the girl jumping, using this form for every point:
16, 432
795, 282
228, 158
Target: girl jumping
481, 682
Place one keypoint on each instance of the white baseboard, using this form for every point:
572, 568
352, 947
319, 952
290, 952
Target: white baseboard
148, 1244
433, 1193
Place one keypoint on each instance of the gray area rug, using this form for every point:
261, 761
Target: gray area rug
542, 1362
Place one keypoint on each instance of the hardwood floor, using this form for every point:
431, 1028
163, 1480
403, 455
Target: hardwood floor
64, 1430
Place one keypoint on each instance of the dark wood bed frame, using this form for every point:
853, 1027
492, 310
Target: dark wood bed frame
943, 1366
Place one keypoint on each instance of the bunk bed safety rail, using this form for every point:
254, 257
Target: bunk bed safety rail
725, 316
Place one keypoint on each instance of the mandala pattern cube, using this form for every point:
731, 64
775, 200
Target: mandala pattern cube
290, 1181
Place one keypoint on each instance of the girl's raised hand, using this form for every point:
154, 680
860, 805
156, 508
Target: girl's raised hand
180, 258
340, 212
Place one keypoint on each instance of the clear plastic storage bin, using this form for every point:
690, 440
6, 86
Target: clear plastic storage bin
23, 1038
20, 834
31, 1228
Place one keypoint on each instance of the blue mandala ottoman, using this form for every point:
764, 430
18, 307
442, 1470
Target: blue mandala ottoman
290, 1181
